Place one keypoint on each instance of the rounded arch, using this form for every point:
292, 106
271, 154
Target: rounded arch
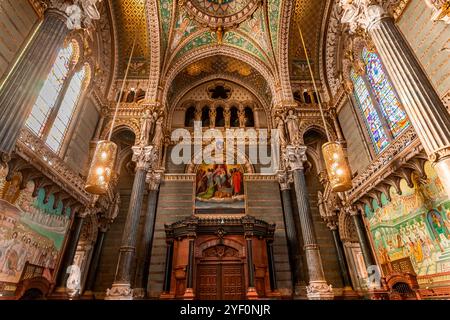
307, 126
213, 242
122, 124
205, 52
347, 229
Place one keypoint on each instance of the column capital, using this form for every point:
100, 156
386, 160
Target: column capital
285, 179
296, 156
153, 179
364, 14
144, 157
79, 13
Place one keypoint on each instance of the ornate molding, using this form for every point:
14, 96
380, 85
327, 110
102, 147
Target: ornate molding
34, 151
296, 157
144, 157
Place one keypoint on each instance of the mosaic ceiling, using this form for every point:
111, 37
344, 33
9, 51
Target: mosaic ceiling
308, 15
130, 23
252, 26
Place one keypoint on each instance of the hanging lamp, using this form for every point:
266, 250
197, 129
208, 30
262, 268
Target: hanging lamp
334, 155
102, 165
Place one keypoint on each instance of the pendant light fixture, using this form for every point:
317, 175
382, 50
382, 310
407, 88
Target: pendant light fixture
103, 161
335, 157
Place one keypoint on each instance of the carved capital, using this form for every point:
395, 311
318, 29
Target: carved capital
285, 179
144, 157
364, 14
296, 156
440, 155
154, 180
79, 13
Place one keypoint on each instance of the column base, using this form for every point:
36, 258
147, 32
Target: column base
442, 168
319, 290
189, 294
88, 295
138, 293
119, 291
300, 292
252, 294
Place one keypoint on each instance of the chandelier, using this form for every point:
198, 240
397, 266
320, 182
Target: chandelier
103, 161
334, 154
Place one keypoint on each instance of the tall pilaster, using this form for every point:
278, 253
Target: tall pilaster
69, 253
340, 255
285, 179
422, 103
153, 180
318, 289
189, 294
22, 86
369, 259
121, 288
93, 267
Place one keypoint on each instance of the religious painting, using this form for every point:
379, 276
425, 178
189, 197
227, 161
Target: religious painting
219, 188
32, 229
414, 224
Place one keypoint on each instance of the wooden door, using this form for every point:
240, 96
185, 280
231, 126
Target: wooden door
220, 281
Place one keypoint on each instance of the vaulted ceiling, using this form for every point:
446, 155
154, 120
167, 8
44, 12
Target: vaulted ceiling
253, 27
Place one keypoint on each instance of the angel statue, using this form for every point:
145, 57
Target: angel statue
90, 9
75, 15
81, 13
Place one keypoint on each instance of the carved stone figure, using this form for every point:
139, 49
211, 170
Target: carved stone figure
292, 126
158, 136
147, 123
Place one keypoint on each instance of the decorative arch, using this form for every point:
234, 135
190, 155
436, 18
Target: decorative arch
213, 242
309, 125
283, 54
153, 24
130, 124
347, 229
204, 52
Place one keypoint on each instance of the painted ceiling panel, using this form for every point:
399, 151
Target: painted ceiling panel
130, 23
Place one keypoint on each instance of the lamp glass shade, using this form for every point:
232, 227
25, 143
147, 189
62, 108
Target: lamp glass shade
101, 168
337, 165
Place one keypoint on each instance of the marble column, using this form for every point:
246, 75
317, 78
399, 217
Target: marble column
285, 180
168, 267
425, 109
70, 250
318, 289
22, 86
93, 267
345, 276
251, 291
153, 180
272, 271
121, 287
189, 293
369, 259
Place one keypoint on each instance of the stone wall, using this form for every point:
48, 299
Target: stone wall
430, 42
357, 152
17, 22
264, 202
175, 202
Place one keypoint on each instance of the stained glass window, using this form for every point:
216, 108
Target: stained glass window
387, 99
373, 121
50, 91
66, 110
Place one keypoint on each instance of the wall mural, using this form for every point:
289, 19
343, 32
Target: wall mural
220, 187
32, 229
414, 224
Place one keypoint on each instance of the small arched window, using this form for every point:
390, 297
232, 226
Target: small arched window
234, 117
307, 97
220, 118
189, 117
249, 117
380, 107
205, 117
